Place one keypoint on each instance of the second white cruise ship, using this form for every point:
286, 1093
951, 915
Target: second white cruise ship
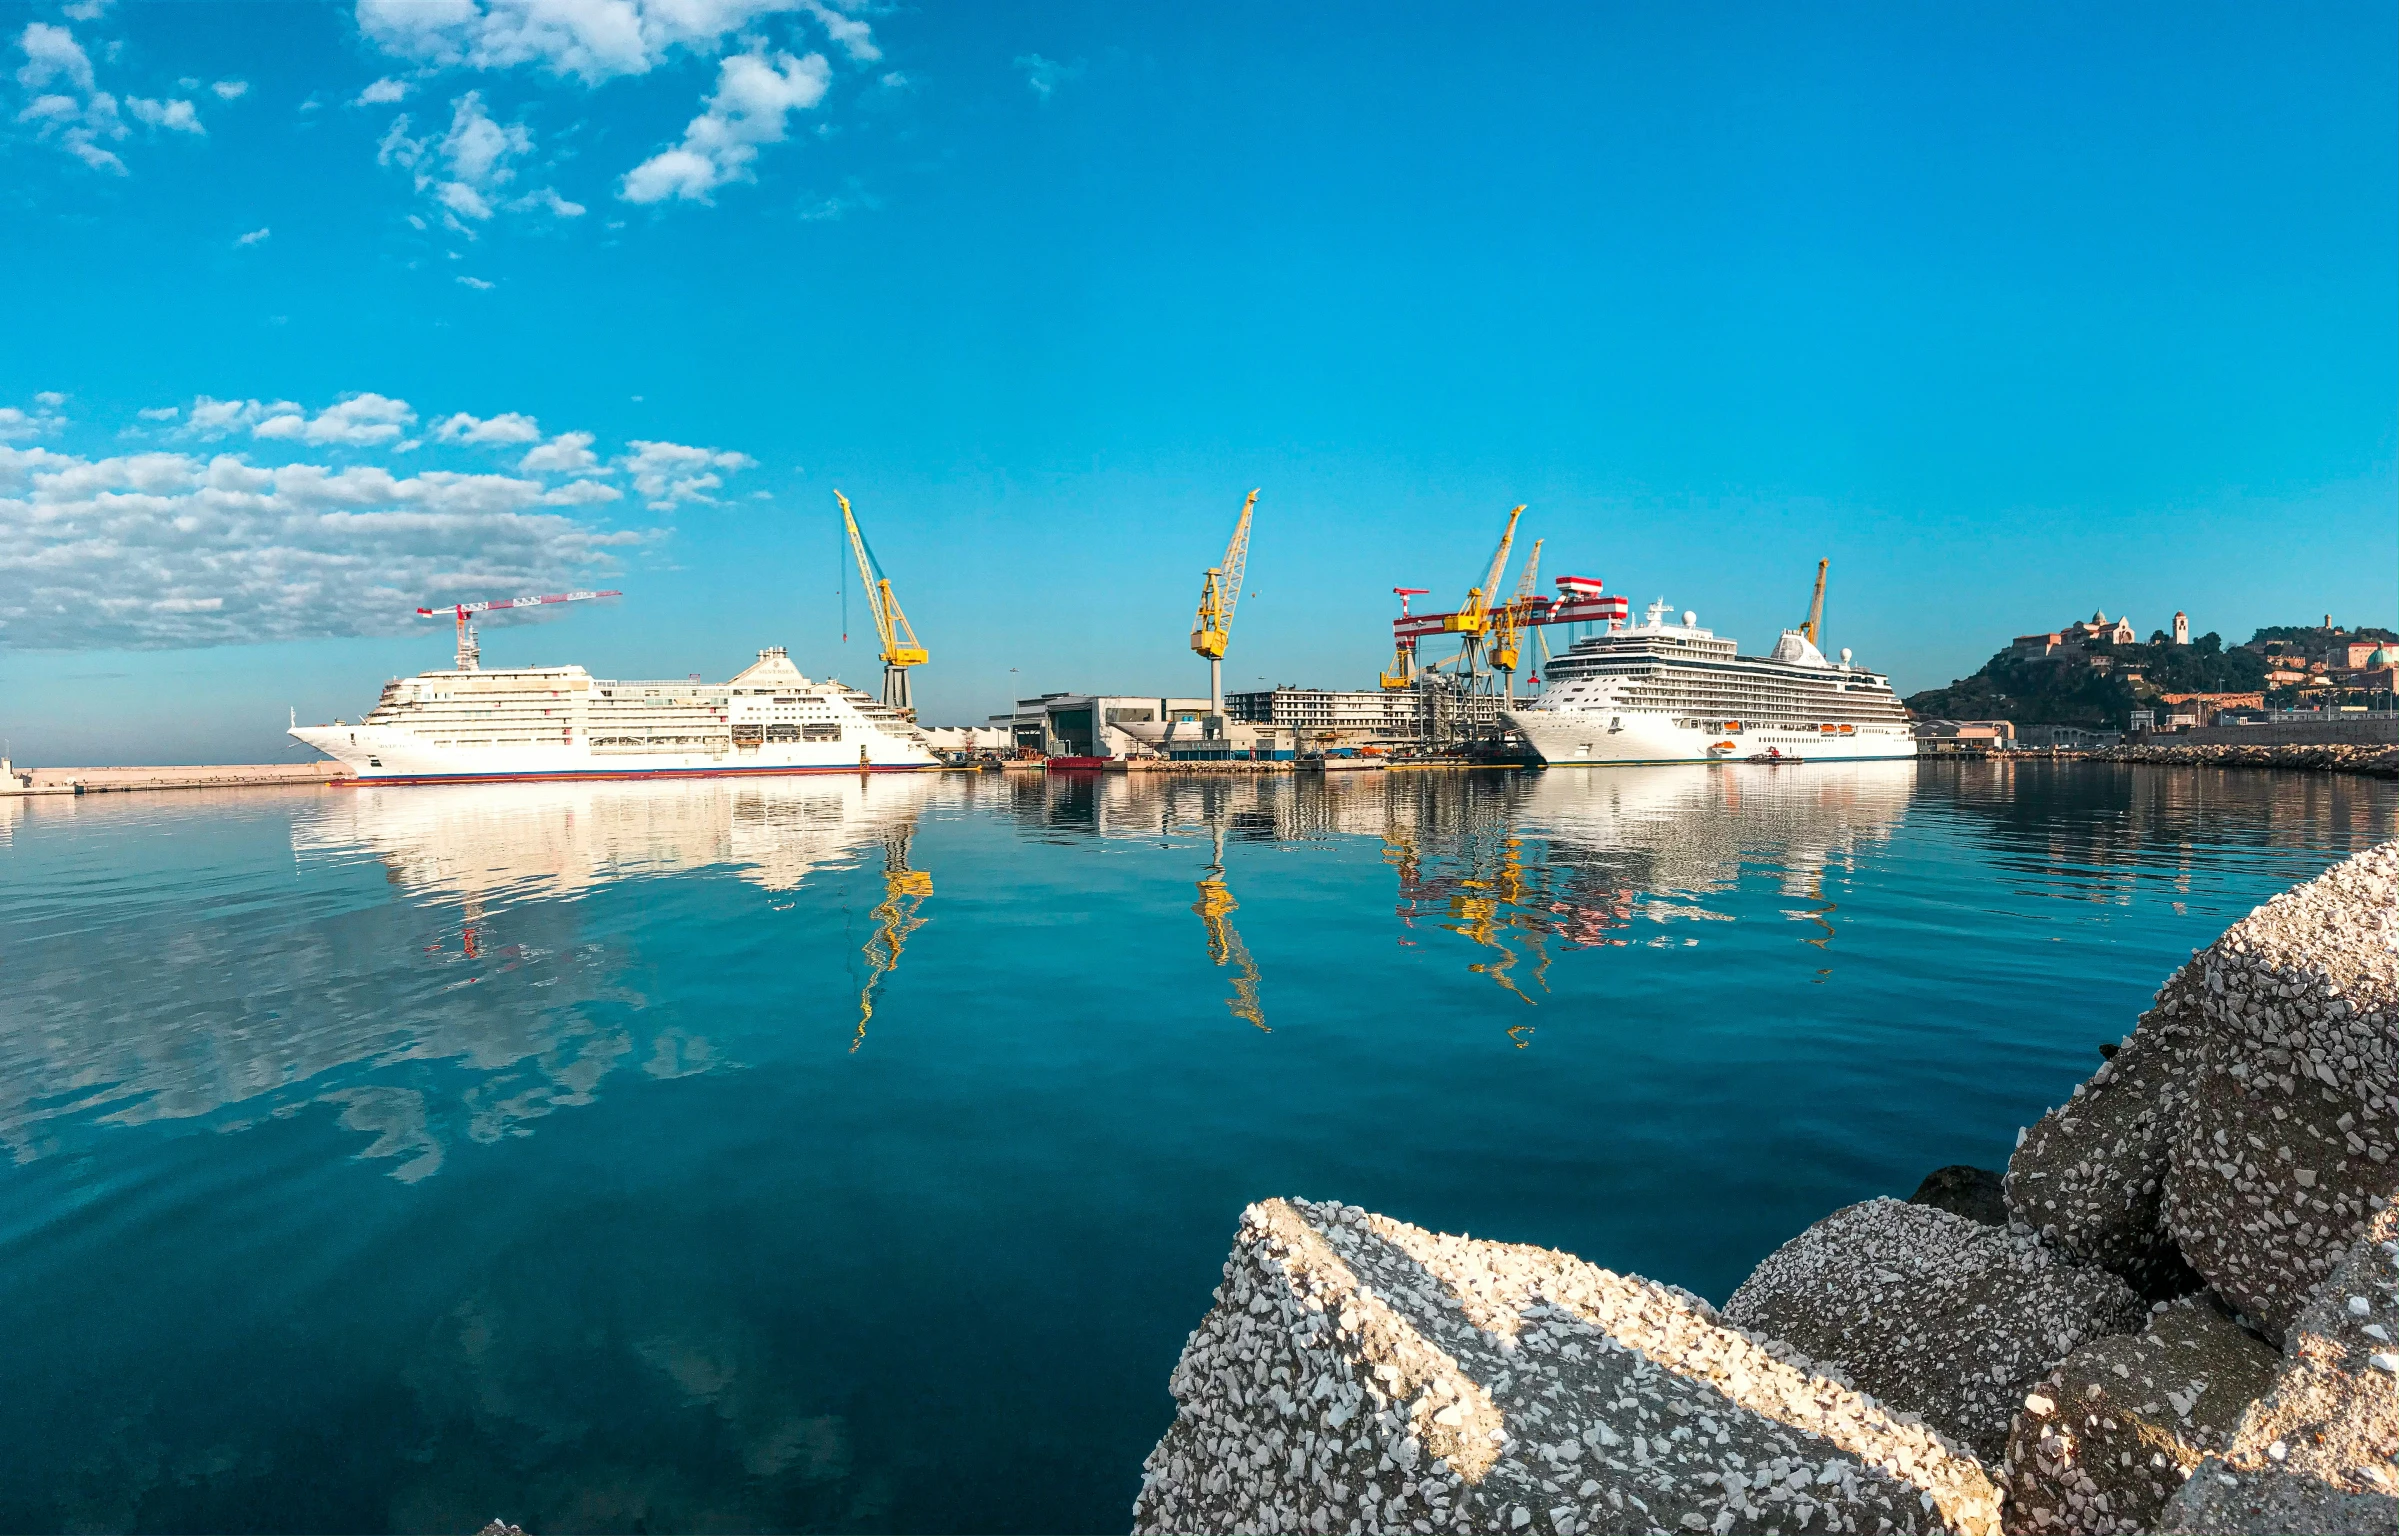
472, 725
1662, 692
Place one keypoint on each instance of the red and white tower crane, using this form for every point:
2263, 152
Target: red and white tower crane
470, 655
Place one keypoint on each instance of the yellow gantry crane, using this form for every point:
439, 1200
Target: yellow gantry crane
1220, 592
900, 648
1507, 636
1815, 629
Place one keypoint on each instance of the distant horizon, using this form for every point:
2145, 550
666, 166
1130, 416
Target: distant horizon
2010, 315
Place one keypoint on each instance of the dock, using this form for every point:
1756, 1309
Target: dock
97, 781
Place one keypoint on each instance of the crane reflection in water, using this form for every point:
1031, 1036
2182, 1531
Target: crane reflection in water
1216, 907
896, 917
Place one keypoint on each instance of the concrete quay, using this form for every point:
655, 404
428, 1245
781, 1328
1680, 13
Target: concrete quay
94, 781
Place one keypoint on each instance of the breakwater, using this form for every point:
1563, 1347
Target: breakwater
68, 781
2322, 757
2189, 1320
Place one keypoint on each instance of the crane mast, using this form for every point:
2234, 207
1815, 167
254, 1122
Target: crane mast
1508, 638
1220, 594
1815, 629
900, 647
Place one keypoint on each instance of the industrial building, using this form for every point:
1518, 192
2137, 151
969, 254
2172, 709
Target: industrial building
1319, 717
1132, 725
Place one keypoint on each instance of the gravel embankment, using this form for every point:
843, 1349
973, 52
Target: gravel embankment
2378, 761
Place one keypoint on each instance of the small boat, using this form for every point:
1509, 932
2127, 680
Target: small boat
1773, 755
1076, 764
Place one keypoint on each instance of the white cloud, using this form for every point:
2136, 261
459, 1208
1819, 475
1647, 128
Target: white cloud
230, 90
1046, 75
81, 118
464, 168
177, 116
158, 413
85, 10
582, 493
754, 93
52, 54
254, 236
478, 284
569, 453
849, 32
507, 427
161, 550
382, 92
356, 420
548, 198
593, 40
17, 425
666, 474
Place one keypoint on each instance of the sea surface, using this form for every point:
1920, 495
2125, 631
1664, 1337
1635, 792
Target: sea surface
840, 1154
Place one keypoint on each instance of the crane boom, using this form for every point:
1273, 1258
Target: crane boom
901, 649
470, 656
1815, 629
1220, 594
1475, 617
1514, 616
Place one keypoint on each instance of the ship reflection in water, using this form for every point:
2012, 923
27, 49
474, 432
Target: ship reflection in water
838, 1154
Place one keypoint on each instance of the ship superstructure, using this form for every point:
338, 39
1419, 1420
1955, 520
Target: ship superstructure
471, 724
1663, 692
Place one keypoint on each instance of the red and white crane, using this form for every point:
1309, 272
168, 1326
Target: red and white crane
469, 654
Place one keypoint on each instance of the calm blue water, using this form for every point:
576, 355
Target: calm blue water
400, 1158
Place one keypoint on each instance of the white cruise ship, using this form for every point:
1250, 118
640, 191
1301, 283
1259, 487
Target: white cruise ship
471, 725
1675, 693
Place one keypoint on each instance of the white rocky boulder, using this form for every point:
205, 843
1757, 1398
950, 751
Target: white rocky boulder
2320, 1451
1931, 1313
1358, 1374
2110, 1435
2283, 1144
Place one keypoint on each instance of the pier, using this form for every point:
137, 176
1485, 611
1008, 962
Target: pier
95, 781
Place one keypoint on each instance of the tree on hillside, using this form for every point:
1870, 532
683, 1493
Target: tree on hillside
2053, 692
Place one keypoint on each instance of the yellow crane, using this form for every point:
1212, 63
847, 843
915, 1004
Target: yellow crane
900, 648
1475, 618
1220, 592
1507, 639
1815, 629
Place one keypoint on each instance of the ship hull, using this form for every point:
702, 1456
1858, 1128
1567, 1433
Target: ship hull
1575, 739
382, 755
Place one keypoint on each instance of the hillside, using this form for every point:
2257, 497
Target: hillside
2080, 692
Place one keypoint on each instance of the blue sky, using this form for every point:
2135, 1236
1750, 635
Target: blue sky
2013, 312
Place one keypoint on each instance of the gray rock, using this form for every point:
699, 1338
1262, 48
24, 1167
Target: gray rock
1977, 1194
2114, 1431
1360, 1374
1931, 1313
2091, 1176
2320, 1451
2284, 1143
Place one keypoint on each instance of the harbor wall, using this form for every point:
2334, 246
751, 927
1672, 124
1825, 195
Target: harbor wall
195, 776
